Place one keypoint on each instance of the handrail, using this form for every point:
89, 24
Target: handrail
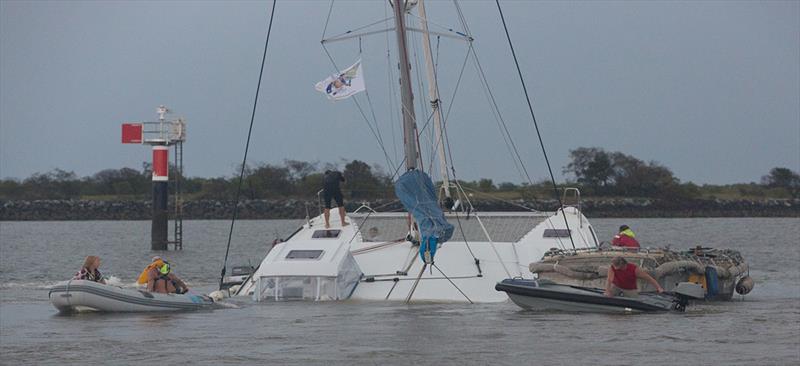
319, 200
578, 201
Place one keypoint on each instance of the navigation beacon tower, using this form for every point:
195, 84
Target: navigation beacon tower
167, 131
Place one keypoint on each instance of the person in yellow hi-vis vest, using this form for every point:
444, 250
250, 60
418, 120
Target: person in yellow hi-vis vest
159, 278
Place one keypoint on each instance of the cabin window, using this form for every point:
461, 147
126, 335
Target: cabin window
326, 234
556, 233
304, 254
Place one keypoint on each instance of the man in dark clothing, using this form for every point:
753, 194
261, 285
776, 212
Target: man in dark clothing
331, 191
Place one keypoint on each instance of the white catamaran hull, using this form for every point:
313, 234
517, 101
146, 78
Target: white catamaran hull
463, 271
80, 295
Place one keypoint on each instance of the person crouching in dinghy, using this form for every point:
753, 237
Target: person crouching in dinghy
159, 278
622, 279
89, 271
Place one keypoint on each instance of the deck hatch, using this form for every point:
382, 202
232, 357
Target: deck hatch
326, 234
556, 233
304, 254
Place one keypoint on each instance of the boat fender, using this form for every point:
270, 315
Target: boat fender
712, 282
733, 271
218, 295
540, 267
745, 285
676, 267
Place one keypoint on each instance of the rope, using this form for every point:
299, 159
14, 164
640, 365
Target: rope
466, 242
247, 145
452, 283
535, 124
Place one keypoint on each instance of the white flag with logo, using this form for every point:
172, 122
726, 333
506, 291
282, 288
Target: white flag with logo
344, 84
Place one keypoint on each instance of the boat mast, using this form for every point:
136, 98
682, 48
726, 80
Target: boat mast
409, 120
433, 93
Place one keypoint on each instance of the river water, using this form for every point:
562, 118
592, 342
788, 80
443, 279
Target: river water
762, 328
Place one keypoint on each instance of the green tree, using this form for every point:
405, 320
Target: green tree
361, 182
593, 168
55, 184
634, 177
785, 178
486, 185
216, 189
267, 181
108, 181
10, 189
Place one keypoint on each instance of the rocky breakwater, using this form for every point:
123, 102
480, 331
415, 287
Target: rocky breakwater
19, 210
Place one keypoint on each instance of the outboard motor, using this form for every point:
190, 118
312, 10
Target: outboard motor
685, 291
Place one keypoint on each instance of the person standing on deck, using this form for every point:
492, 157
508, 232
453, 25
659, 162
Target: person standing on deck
332, 191
625, 238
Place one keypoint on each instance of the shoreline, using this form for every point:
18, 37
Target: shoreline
83, 210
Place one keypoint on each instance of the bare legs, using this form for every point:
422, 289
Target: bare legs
327, 215
341, 214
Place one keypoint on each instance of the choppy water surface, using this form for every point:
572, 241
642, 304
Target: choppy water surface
761, 329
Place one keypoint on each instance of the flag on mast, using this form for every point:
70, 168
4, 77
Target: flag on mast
344, 84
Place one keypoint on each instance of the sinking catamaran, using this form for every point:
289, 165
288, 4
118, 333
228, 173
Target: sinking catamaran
423, 255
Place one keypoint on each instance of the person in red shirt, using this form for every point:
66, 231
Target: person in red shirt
622, 279
625, 238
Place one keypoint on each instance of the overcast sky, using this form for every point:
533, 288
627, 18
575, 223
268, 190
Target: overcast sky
709, 89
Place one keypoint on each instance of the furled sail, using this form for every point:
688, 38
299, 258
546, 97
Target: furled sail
415, 190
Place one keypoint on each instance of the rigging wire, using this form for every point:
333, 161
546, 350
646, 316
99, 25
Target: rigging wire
535, 124
328, 19
364, 115
518, 163
247, 146
507, 139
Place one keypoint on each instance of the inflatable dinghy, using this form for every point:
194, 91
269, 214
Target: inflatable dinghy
80, 295
550, 296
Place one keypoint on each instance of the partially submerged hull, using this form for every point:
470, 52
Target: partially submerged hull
318, 264
79, 295
548, 296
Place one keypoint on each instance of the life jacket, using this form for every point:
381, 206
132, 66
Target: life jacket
625, 238
145, 275
625, 278
628, 232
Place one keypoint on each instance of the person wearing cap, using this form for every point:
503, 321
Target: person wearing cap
621, 279
625, 238
159, 278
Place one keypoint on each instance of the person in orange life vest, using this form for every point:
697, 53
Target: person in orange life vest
625, 238
622, 279
159, 278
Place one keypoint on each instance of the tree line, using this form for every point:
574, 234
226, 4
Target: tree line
596, 172
602, 173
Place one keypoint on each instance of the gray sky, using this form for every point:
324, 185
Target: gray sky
709, 89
